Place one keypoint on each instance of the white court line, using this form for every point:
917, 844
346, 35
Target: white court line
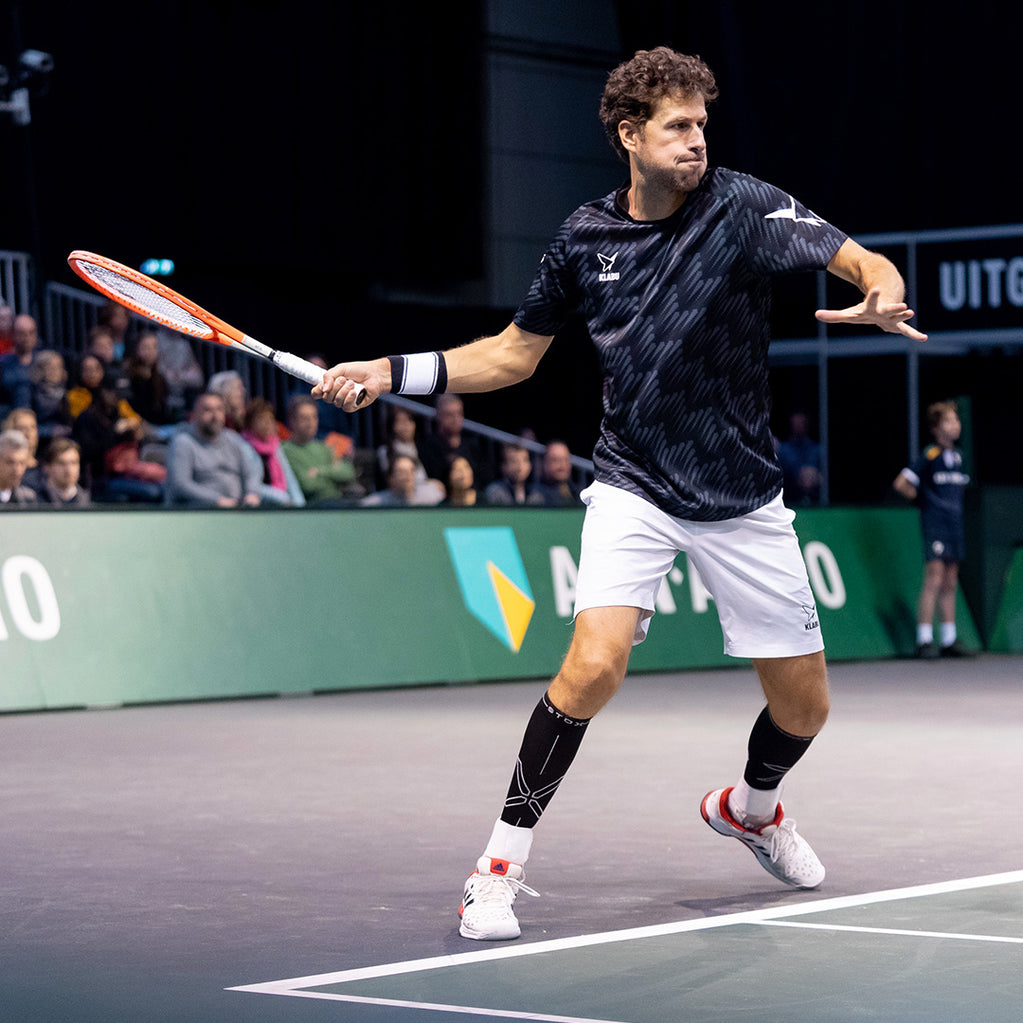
292, 986
891, 930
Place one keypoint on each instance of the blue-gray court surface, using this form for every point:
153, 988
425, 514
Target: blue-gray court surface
302, 859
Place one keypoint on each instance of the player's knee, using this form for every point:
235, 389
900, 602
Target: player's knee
591, 675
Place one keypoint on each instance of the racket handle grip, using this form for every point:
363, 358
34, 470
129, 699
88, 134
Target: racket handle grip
310, 373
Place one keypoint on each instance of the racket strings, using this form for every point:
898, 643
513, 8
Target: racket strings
146, 301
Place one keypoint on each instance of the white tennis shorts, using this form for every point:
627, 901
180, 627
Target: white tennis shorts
751, 565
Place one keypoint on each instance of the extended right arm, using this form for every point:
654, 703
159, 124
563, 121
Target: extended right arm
484, 365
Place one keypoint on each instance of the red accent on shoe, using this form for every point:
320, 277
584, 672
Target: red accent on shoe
726, 813
498, 866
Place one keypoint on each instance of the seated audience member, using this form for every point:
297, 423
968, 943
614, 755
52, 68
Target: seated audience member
24, 421
231, 388
402, 490
110, 441
322, 475
117, 321
399, 439
181, 369
92, 374
447, 438
207, 466
556, 489
62, 467
16, 365
13, 462
513, 486
461, 485
50, 395
148, 390
279, 484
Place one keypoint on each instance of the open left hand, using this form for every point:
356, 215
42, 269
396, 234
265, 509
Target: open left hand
889, 316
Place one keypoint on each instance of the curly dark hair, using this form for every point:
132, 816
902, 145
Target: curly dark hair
635, 86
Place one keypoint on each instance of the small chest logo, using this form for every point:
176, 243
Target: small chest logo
607, 273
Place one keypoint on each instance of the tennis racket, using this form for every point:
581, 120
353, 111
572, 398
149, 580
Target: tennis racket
155, 301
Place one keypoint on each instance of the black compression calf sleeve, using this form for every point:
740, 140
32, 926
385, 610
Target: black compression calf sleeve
772, 753
549, 746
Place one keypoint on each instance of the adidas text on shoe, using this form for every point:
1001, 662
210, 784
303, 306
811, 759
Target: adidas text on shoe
777, 847
486, 909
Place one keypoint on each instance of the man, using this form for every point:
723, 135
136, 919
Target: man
513, 486
321, 474
800, 459
206, 463
936, 482
13, 463
62, 467
446, 440
402, 487
16, 365
673, 274
556, 489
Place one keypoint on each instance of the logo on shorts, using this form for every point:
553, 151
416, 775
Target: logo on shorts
493, 580
811, 622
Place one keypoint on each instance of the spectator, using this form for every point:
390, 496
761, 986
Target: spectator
402, 490
231, 388
461, 485
148, 390
16, 365
24, 421
447, 439
279, 485
400, 439
556, 489
100, 342
936, 482
62, 466
50, 395
181, 370
109, 439
207, 467
800, 459
13, 462
117, 320
322, 475
513, 486
89, 377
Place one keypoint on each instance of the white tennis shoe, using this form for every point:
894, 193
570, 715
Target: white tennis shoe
486, 908
777, 847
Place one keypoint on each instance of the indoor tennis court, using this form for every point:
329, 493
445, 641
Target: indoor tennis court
302, 858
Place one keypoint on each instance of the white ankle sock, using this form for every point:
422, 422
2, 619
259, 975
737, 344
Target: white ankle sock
924, 634
948, 633
508, 842
753, 807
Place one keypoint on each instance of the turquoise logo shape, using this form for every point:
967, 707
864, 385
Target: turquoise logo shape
493, 580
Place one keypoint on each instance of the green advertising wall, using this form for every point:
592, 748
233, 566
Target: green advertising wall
110, 607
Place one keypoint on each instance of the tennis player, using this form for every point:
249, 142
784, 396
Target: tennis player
672, 272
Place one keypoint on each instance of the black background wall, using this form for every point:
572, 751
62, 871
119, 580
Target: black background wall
296, 158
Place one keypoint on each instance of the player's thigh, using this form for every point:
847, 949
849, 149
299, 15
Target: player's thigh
628, 546
754, 570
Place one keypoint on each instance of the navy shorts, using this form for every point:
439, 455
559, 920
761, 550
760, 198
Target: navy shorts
947, 547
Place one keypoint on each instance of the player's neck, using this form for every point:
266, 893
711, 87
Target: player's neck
644, 201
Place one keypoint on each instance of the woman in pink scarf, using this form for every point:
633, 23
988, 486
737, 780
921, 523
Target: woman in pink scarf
261, 432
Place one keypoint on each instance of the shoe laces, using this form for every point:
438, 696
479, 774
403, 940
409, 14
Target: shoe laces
783, 837
493, 889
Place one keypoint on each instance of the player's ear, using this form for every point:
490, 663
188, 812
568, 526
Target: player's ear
629, 134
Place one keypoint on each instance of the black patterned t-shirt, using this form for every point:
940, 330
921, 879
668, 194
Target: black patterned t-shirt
679, 312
